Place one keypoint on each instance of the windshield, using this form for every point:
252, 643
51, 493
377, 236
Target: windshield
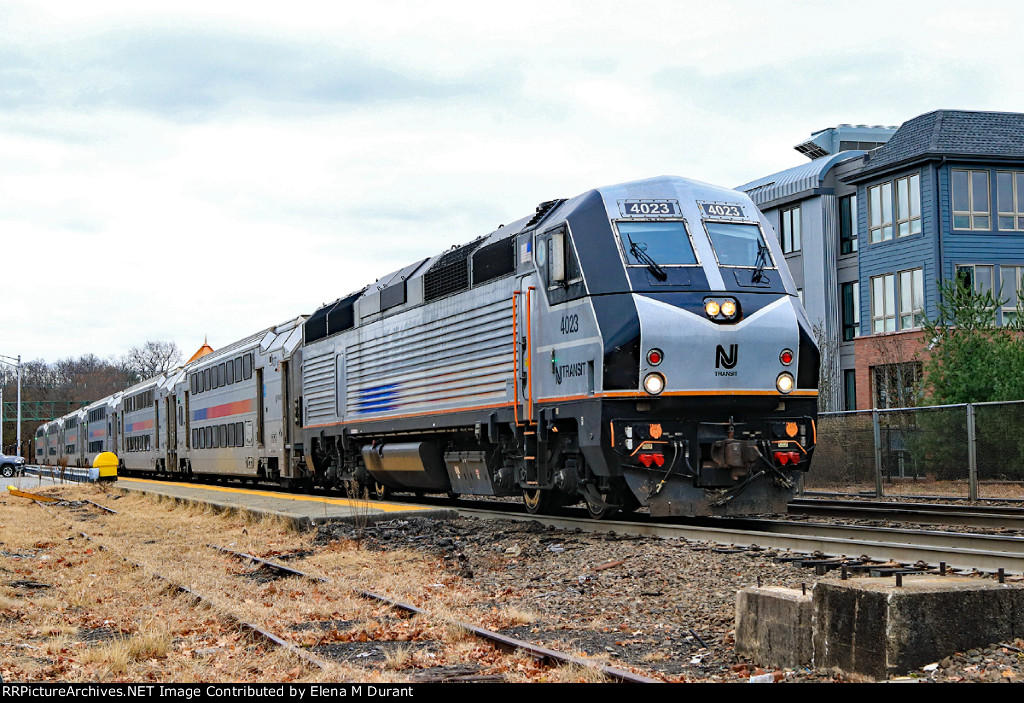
664, 243
736, 244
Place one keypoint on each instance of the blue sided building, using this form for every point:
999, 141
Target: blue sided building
943, 196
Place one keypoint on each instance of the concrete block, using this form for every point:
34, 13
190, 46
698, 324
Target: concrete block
774, 626
874, 628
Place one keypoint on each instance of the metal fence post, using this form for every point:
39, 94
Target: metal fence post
878, 452
972, 454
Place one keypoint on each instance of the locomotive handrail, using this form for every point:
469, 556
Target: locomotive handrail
529, 354
515, 357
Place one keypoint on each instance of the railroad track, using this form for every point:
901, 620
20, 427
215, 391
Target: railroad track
958, 550
967, 515
545, 656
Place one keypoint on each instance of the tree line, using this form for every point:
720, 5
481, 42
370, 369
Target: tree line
79, 380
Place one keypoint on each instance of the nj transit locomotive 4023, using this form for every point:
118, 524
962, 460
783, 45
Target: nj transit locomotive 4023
637, 345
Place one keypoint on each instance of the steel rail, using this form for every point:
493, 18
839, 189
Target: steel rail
925, 513
958, 550
101, 507
542, 654
205, 600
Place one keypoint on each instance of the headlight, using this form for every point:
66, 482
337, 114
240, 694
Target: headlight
654, 383
722, 309
784, 382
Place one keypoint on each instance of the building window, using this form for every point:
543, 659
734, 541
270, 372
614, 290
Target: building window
911, 299
850, 389
851, 310
908, 205
970, 200
790, 230
848, 224
896, 385
883, 303
880, 213
1010, 277
975, 277
1010, 200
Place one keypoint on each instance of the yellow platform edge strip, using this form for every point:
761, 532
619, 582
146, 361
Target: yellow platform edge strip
347, 502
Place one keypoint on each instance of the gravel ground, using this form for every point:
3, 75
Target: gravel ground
664, 607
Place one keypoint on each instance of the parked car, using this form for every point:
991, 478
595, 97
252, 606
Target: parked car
11, 465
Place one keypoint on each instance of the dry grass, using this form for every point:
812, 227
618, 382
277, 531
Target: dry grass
574, 673
657, 656
398, 658
115, 657
455, 633
108, 620
512, 616
47, 635
929, 487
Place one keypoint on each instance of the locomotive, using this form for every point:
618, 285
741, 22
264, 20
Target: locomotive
637, 345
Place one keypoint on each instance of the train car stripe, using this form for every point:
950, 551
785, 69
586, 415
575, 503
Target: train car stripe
239, 407
419, 414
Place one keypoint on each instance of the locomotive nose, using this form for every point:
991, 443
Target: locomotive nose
687, 349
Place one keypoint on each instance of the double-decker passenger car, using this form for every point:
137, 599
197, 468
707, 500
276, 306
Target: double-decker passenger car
232, 408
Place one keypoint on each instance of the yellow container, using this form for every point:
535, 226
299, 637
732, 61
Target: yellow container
106, 464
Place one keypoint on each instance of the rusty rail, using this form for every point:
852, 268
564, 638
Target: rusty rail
542, 654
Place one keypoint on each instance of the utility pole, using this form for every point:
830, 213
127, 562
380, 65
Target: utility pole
16, 365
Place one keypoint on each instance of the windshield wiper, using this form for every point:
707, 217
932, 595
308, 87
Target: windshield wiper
640, 254
760, 263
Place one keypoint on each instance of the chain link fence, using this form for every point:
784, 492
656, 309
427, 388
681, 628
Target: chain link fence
975, 450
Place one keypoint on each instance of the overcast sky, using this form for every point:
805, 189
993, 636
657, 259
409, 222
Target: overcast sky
210, 168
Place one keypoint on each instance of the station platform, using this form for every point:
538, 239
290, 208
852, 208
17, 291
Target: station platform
304, 510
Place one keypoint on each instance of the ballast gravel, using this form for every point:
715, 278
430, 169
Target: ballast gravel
662, 607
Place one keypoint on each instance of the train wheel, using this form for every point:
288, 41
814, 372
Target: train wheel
600, 512
540, 502
381, 492
621, 499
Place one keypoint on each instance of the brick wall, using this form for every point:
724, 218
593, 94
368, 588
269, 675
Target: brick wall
881, 349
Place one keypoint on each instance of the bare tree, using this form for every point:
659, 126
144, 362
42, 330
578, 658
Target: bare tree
153, 358
898, 376
830, 390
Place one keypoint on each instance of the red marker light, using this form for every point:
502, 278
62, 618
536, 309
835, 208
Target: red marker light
786, 357
654, 357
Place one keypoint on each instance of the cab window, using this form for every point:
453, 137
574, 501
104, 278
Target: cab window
558, 266
664, 243
737, 244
